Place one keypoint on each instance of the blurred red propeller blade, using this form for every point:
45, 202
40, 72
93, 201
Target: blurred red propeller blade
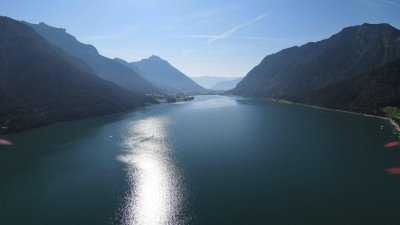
392, 144
395, 170
5, 142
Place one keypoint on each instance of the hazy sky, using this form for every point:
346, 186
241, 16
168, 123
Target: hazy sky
203, 37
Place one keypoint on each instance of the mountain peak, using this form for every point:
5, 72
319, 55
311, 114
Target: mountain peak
370, 27
46, 26
375, 25
154, 57
368, 32
165, 76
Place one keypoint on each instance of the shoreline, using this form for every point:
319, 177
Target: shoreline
393, 122
5, 131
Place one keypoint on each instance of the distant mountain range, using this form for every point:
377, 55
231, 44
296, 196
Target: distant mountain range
103, 66
42, 84
356, 70
163, 75
226, 85
47, 75
209, 81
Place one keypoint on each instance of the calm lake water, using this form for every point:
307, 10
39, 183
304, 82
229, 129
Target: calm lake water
215, 160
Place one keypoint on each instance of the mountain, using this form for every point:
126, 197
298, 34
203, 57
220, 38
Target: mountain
369, 92
209, 81
163, 75
104, 67
41, 84
226, 85
344, 71
131, 66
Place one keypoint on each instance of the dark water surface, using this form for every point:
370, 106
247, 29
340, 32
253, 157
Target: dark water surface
215, 160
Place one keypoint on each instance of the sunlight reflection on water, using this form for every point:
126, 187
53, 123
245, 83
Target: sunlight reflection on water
155, 193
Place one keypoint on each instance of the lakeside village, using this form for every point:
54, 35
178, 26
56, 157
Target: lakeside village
171, 98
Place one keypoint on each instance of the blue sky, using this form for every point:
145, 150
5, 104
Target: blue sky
203, 37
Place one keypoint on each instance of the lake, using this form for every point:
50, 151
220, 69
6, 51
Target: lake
215, 160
